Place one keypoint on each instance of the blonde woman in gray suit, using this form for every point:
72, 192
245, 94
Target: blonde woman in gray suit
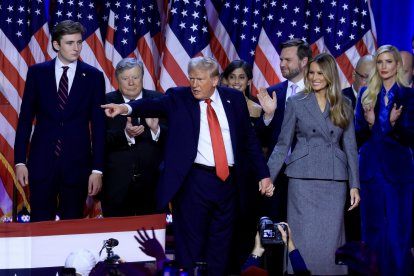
322, 163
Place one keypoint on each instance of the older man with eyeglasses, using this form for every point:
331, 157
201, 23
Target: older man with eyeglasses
359, 77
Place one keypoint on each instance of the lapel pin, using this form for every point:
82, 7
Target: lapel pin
228, 101
83, 74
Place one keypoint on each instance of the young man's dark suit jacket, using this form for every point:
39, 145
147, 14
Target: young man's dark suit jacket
80, 127
183, 113
123, 161
349, 92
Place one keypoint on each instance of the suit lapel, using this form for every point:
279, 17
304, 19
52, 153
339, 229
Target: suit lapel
193, 106
76, 91
50, 86
281, 99
312, 106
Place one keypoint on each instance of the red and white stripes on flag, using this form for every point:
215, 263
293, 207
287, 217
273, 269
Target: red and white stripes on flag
21, 45
344, 28
134, 30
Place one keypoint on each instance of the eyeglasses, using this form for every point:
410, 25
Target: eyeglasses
361, 76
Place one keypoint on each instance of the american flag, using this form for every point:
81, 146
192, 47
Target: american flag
85, 12
236, 30
343, 28
23, 41
187, 35
134, 30
226, 29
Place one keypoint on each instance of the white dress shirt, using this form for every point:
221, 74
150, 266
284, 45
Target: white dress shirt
205, 154
59, 71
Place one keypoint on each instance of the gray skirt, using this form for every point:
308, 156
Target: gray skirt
316, 217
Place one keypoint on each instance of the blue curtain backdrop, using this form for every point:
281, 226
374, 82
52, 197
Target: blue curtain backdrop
394, 20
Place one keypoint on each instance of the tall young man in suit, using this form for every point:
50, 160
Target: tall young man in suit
359, 77
204, 175
65, 160
134, 148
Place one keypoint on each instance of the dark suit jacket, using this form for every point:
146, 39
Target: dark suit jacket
390, 151
81, 126
183, 112
270, 134
123, 161
349, 92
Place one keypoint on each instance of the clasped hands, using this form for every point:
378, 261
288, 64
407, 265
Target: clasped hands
266, 187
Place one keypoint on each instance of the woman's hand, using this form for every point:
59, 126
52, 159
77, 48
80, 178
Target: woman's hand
355, 198
369, 115
395, 114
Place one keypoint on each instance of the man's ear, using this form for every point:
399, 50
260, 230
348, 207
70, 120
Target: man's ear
304, 62
55, 45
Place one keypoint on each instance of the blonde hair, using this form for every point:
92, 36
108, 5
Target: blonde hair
340, 110
375, 81
204, 63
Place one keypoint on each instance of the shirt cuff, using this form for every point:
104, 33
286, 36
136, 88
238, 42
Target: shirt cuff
97, 172
268, 121
129, 110
19, 164
130, 140
156, 136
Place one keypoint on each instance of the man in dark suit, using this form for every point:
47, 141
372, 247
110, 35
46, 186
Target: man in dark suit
134, 149
203, 176
65, 160
408, 66
359, 77
294, 57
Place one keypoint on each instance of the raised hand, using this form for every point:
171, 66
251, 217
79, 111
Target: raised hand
369, 114
148, 245
395, 114
269, 104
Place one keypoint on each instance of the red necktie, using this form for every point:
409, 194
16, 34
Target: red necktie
219, 151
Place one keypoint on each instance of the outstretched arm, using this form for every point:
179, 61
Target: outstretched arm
112, 110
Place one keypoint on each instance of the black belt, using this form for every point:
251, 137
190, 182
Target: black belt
209, 169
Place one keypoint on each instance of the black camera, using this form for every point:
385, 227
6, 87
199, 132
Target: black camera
269, 233
109, 244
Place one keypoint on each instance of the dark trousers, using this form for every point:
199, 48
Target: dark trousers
137, 199
55, 196
203, 212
